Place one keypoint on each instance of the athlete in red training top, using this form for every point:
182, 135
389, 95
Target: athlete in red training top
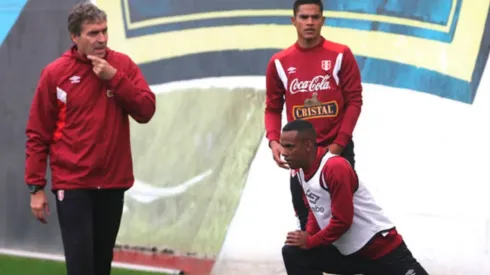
347, 231
319, 81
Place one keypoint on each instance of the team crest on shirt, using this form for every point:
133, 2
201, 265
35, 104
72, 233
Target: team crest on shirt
326, 65
314, 108
61, 195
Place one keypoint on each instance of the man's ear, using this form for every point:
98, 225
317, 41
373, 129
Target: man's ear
309, 145
73, 38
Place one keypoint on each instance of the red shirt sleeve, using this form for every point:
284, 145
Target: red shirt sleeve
274, 102
341, 182
312, 226
132, 93
41, 125
350, 81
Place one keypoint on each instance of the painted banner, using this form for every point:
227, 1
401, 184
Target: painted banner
397, 43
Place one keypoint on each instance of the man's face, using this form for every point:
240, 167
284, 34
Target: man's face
294, 150
308, 21
92, 39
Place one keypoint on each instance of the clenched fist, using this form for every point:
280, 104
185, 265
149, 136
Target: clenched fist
101, 68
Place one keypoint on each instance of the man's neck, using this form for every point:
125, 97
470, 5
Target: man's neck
311, 160
309, 43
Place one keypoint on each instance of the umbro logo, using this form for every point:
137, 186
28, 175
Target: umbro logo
75, 79
312, 197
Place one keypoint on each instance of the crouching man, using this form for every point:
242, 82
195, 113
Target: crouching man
347, 231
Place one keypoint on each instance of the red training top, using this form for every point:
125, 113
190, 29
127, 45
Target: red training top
321, 84
82, 123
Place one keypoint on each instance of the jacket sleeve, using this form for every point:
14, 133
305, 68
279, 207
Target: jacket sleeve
274, 102
350, 81
41, 125
133, 94
341, 182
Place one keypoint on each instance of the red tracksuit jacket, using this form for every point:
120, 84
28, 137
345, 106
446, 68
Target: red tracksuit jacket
321, 84
82, 123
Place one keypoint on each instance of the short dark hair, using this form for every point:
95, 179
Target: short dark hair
84, 12
304, 128
298, 3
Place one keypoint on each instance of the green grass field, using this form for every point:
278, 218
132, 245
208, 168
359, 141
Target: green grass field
24, 266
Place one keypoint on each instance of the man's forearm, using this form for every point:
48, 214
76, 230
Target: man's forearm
329, 234
312, 225
36, 161
138, 102
351, 116
274, 102
272, 124
352, 89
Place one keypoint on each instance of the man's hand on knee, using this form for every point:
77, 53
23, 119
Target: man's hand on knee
297, 238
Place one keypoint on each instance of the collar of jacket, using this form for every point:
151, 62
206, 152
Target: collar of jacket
73, 52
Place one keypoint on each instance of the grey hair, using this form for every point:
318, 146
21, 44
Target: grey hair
84, 12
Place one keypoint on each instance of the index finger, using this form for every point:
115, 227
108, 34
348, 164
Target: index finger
283, 165
93, 57
279, 161
292, 241
43, 220
46, 209
38, 213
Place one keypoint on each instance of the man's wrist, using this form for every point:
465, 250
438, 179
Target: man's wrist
33, 189
115, 79
272, 140
313, 241
310, 242
342, 139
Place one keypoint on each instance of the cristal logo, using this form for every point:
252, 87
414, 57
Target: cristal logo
318, 83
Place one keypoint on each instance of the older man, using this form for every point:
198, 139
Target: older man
79, 117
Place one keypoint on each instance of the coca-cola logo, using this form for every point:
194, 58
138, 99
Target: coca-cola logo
318, 83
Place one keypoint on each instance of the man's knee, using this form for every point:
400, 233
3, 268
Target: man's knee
287, 252
290, 253
300, 261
